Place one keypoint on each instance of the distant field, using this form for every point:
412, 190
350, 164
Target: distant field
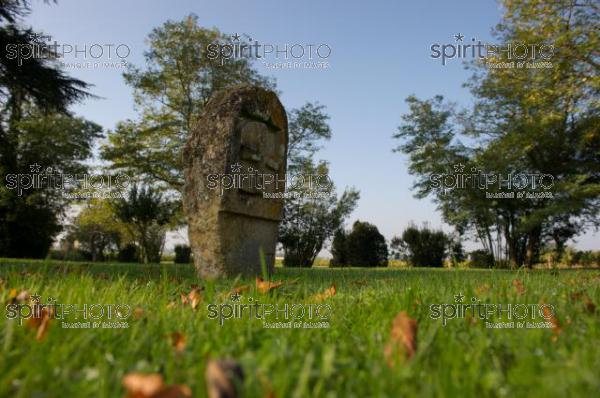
461, 359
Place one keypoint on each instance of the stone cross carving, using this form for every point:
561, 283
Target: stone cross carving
234, 167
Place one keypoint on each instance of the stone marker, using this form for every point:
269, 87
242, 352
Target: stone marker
235, 153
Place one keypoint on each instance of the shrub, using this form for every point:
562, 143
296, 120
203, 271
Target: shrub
69, 255
128, 254
182, 254
339, 249
365, 246
481, 259
426, 247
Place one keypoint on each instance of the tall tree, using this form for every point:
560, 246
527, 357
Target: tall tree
170, 91
525, 120
35, 128
312, 216
147, 214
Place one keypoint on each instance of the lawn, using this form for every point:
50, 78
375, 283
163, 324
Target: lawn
463, 358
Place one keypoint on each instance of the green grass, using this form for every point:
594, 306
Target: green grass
460, 359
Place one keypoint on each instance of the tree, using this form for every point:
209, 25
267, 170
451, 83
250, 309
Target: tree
170, 92
425, 247
313, 212
34, 99
98, 229
29, 217
339, 249
310, 220
365, 246
534, 121
146, 213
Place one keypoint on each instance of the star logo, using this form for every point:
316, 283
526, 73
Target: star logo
458, 168
35, 168
236, 167
459, 37
236, 37
35, 297
459, 298
235, 297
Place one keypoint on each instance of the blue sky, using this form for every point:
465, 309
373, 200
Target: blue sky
380, 55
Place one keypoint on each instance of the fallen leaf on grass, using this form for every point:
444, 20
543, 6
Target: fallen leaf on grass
193, 298
518, 286
223, 377
138, 313
481, 289
266, 286
403, 338
178, 341
40, 320
329, 292
575, 296
589, 304
140, 385
556, 328
17, 297
240, 289
360, 282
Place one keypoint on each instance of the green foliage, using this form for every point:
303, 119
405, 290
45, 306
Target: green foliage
146, 213
362, 246
309, 221
182, 254
525, 120
424, 246
170, 92
315, 213
31, 91
98, 230
29, 220
339, 249
128, 254
481, 259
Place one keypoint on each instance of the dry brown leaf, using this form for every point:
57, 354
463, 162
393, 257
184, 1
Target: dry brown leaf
589, 304
360, 282
41, 321
193, 298
140, 385
329, 292
518, 286
178, 341
481, 289
266, 286
240, 289
184, 299
23, 296
175, 391
403, 337
138, 313
223, 377
556, 328
575, 296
